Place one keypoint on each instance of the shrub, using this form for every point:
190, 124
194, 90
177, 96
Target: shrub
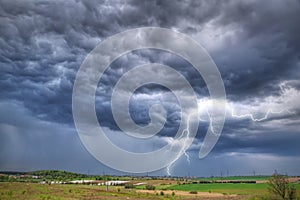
292, 192
150, 187
280, 186
162, 193
128, 186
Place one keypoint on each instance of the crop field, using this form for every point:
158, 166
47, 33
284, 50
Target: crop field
244, 178
228, 188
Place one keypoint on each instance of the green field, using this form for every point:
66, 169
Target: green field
228, 188
244, 178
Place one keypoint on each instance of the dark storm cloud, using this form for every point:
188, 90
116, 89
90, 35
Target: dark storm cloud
260, 140
36, 36
255, 44
265, 49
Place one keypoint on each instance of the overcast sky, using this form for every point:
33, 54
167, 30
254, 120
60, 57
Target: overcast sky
255, 45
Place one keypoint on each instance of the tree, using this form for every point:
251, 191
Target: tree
279, 185
292, 192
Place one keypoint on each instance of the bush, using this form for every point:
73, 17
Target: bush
280, 186
292, 192
193, 192
128, 186
150, 187
162, 193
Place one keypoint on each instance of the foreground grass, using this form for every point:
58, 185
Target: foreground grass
25, 191
16, 190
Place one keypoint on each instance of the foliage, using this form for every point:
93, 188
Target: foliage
292, 192
58, 175
129, 186
280, 186
150, 187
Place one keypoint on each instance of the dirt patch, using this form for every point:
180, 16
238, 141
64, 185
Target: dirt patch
185, 193
160, 182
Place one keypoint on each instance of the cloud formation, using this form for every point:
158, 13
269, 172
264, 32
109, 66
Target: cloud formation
255, 45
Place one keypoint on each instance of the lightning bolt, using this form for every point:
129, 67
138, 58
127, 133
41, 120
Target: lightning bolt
266, 116
248, 115
184, 146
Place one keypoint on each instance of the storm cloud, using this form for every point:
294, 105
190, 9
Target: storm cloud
255, 45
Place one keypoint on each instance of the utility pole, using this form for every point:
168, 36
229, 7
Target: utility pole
222, 176
105, 180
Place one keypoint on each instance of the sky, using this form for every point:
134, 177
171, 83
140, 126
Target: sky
255, 45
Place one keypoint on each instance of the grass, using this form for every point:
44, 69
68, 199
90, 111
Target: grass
24, 191
228, 188
236, 178
17, 190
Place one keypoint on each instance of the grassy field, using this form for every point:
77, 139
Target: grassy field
229, 188
15, 190
244, 178
30, 191
260, 189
